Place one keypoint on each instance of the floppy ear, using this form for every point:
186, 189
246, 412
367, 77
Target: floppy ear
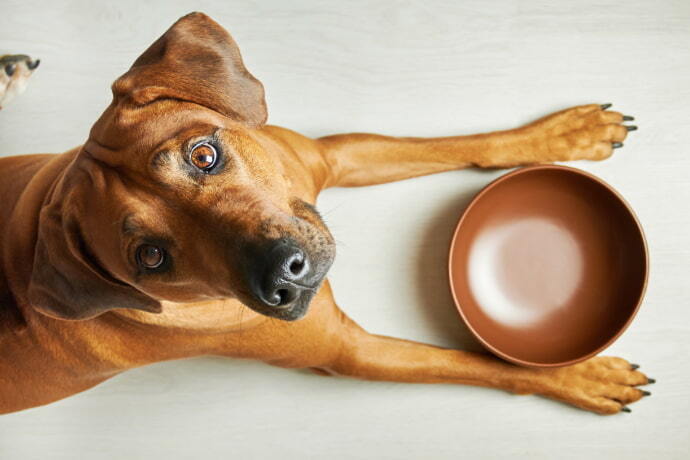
197, 61
68, 282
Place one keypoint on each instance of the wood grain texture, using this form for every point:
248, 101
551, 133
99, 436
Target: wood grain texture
400, 68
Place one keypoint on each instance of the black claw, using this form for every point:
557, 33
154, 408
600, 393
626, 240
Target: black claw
628, 118
605, 106
650, 381
645, 393
625, 409
634, 366
617, 145
631, 128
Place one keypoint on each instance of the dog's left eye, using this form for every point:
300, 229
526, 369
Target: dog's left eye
204, 156
150, 256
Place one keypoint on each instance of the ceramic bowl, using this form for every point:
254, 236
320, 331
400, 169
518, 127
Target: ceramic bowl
548, 266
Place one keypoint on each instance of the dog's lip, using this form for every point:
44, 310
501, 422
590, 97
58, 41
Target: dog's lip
285, 307
295, 306
285, 312
306, 287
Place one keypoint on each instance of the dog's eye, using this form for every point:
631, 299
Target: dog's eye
150, 256
204, 156
9, 69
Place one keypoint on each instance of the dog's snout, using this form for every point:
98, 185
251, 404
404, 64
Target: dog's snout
281, 280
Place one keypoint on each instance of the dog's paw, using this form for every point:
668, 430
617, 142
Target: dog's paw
587, 132
604, 385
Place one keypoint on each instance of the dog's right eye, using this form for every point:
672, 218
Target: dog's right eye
204, 156
10, 69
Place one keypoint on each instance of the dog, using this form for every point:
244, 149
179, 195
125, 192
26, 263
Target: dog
185, 226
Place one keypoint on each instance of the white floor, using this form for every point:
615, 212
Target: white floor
402, 68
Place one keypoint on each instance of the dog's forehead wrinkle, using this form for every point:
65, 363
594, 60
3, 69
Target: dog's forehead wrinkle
177, 140
112, 172
123, 128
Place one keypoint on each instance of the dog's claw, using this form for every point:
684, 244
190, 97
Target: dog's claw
617, 145
650, 381
631, 128
605, 106
634, 366
628, 118
625, 409
645, 393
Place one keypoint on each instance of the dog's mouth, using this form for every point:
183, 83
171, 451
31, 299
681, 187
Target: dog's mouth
293, 311
292, 306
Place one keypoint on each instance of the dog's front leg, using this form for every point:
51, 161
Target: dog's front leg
588, 132
603, 385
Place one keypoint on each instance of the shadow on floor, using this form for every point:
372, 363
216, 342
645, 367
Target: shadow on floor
433, 291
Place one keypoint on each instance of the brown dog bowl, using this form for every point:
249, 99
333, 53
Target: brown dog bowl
548, 266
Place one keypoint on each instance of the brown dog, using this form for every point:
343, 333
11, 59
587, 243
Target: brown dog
185, 226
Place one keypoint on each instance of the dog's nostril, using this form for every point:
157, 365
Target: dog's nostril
284, 296
296, 267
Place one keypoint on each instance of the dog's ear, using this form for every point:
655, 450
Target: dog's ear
197, 61
67, 281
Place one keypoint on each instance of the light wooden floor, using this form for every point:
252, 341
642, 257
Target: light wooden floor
402, 68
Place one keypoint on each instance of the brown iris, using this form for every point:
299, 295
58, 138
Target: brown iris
150, 256
204, 156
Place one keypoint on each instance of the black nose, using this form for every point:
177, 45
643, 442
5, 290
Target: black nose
281, 277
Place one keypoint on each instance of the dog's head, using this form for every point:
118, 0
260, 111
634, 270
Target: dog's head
178, 196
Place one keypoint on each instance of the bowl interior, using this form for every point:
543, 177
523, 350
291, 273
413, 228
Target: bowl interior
548, 266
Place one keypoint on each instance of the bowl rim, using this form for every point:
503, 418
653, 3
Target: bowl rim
506, 177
